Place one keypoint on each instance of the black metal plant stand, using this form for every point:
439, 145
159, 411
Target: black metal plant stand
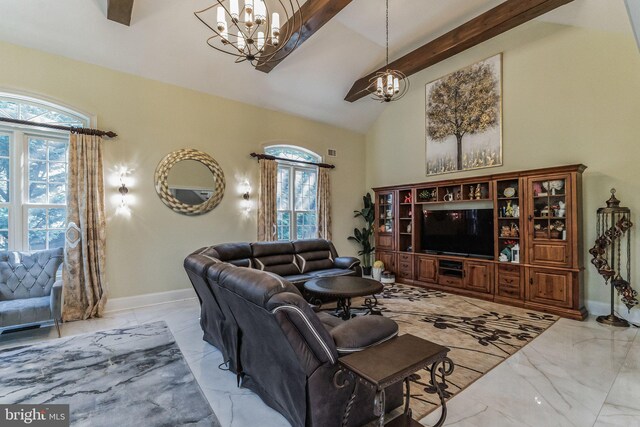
613, 226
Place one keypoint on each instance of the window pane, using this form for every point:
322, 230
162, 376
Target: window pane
37, 171
31, 112
37, 149
57, 172
37, 240
4, 218
8, 109
56, 239
305, 190
4, 145
4, 240
57, 218
4, 192
292, 153
58, 194
306, 225
284, 226
37, 218
58, 151
38, 193
4, 169
283, 190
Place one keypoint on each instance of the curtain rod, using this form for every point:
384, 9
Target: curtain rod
72, 129
270, 157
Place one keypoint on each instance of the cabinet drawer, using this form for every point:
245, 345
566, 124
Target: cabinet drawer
450, 281
512, 269
509, 285
405, 266
405, 257
405, 269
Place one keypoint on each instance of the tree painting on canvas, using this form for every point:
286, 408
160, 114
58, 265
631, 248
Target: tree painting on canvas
463, 118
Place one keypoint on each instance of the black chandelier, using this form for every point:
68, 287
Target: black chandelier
252, 31
388, 85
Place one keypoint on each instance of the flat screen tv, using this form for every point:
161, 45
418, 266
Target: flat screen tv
467, 232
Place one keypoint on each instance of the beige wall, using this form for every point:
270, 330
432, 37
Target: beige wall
145, 251
570, 96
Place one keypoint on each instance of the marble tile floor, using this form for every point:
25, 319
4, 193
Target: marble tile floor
574, 374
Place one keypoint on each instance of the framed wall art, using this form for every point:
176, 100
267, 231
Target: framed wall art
464, 118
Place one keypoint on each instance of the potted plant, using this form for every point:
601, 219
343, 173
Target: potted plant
364, 236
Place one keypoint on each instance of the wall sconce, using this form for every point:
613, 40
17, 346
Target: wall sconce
123, 190
245, 189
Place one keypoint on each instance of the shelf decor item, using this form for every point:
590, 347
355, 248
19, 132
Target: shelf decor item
378, 268
608, 253
509, 192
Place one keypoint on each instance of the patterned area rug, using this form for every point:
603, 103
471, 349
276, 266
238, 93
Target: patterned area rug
480, 334
112, 378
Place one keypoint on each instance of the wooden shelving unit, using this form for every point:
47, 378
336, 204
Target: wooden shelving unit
539, 210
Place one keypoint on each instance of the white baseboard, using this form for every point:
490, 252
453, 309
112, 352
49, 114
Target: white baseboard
137, 301
598, 308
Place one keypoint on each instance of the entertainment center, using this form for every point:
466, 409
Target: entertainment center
513, 238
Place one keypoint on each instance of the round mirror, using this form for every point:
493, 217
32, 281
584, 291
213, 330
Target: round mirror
190, 182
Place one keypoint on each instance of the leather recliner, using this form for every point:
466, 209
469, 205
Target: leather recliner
280, 348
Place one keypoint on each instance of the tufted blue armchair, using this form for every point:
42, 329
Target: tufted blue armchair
29, 291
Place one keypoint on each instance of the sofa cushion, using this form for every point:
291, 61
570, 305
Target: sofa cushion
263, 249
329, 272
329, 321
21, 311
284, 265
238, 254
298, 278
254, 286
313, 255
24, 275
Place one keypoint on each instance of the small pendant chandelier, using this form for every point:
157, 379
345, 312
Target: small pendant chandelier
253, 32
389, 85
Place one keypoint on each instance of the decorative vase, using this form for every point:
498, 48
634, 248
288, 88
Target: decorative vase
377, 273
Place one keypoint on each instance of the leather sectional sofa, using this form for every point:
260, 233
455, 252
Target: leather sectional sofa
279, 347
296, 261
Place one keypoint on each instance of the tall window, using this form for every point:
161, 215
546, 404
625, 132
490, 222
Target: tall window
296, 193
33, 174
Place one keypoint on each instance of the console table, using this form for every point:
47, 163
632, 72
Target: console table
393, 361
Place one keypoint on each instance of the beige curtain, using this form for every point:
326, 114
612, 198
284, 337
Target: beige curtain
324, 204
84, 289
267, 200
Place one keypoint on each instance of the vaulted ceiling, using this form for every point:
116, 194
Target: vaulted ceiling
166, 42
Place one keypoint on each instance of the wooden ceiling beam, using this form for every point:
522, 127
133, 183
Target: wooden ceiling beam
315, 13
501, 18
120, 11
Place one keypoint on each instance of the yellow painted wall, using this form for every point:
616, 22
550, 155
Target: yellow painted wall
570, 96
145, 251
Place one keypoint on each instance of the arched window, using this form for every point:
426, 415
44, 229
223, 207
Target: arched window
33, 192
297, 192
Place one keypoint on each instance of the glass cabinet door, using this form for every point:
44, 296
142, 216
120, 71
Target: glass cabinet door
385, 213
549, 209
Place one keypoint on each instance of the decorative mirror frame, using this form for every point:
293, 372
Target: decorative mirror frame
161, 178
